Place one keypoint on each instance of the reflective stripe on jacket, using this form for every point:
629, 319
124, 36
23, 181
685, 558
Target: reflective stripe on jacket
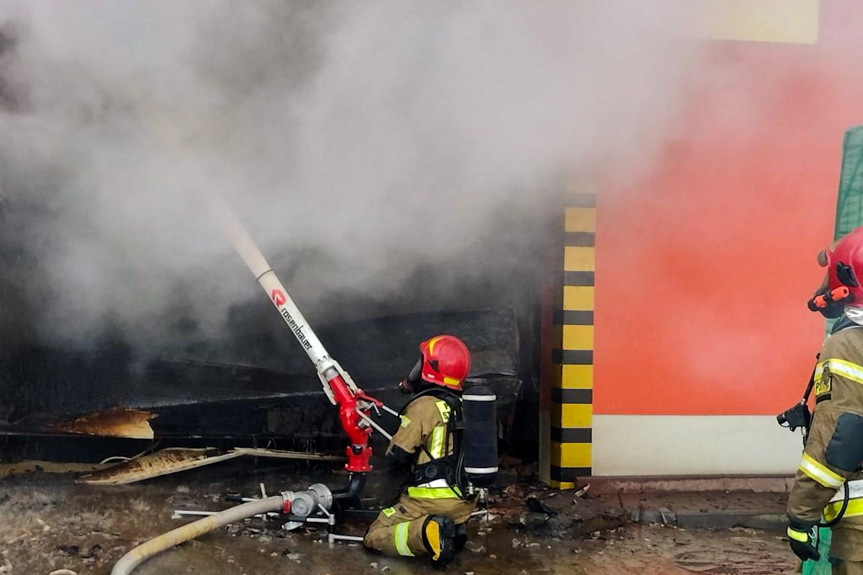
834, 449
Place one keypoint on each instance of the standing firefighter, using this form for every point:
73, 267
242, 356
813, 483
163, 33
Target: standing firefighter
829, 480
430, 515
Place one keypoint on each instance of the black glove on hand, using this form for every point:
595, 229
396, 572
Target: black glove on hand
801, 541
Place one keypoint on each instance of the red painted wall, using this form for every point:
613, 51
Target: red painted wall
704, 267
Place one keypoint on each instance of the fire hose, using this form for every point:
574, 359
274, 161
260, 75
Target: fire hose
298, 504
163, 542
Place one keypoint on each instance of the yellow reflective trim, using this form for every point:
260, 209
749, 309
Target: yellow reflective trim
405, 420
388, 512
823, 385
401, 539
451, 381
437, 447
434, 492
819, 473
432, 341
843, 368
797, 535
855, 509
443, 409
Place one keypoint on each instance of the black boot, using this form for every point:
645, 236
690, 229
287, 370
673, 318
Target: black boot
460, 536
439, 539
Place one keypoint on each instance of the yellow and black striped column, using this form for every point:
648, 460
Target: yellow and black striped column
570, 433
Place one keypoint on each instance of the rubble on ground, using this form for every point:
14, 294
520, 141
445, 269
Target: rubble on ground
49, 523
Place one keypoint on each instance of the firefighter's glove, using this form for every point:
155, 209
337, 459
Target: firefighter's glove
800, 539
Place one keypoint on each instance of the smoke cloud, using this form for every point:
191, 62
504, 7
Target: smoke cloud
379, 152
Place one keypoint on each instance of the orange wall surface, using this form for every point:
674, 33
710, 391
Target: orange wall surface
704, 266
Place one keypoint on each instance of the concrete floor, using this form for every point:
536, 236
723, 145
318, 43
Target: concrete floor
47, 522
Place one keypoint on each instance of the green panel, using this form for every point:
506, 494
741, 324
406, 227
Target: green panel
822, 566
849, 208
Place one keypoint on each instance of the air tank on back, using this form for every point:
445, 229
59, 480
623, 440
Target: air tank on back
480, 435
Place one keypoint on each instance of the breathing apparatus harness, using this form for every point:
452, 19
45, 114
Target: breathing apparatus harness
445, 467
458, 468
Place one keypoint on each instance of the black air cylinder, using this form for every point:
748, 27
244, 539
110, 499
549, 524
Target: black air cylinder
480, 435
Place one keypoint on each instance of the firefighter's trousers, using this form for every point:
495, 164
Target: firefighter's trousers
398, 529
846, 540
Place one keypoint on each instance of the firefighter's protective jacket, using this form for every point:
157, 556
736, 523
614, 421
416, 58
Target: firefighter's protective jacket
834, 450
398, 530
424, 422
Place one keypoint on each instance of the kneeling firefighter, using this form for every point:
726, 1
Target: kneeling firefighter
829, 481
448, 442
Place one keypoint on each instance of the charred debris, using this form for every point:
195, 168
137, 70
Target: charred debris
62, 405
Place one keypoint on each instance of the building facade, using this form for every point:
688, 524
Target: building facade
676, 325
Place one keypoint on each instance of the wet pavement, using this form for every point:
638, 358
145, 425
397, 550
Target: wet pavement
47, 522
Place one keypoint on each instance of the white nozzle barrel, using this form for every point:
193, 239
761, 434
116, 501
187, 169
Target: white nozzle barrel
271, 285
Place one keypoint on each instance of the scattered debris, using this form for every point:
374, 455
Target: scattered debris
515, 491
24, 535
71, 550
509, 462
80, 517
174, 460
114, 422
180, 513
38, 466
537, 506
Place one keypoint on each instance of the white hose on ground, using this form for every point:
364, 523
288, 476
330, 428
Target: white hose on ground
163, 542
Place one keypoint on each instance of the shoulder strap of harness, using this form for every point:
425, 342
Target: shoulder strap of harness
842, 323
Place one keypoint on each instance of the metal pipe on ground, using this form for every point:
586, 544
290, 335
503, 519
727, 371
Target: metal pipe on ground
166, 541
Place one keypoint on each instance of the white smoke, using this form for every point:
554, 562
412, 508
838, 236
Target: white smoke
361, 142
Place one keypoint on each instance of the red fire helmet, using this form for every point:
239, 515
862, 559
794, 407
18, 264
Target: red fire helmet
845, 265
446, 361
